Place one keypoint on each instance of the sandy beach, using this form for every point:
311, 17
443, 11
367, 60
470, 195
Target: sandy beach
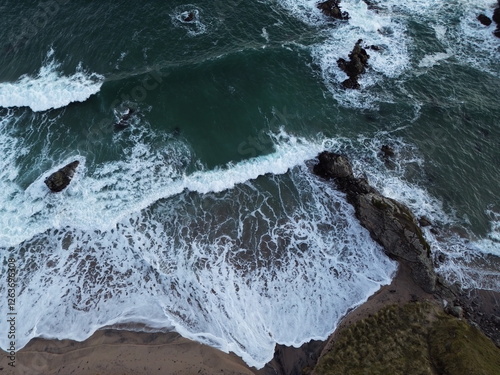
112, 351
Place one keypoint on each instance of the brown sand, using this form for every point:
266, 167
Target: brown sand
118, 352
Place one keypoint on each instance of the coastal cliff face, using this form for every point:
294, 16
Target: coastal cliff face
389, 222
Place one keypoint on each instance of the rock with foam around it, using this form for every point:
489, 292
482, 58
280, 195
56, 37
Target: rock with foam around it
59, 180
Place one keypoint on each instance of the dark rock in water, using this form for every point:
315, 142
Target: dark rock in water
375, 48
496, 18
371, 5
496, 15
176, 131
188, 16
333, 166
484, 19
358, 61
351, 83
59, 180
331, 8
424, 222
387, 151
124, 121
389, 222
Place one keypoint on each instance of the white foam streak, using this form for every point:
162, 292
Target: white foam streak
49, 89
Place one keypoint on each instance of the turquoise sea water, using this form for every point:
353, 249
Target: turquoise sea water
202, 215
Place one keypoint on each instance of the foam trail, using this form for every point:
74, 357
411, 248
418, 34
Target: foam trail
49, 89
118, 189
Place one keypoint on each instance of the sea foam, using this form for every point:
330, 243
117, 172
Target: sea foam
240, 258
49, 89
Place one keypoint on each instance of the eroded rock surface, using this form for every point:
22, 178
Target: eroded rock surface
390, 223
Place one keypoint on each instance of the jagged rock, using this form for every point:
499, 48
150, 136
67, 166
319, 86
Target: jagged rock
331, 8
59, 180
387, 151
484, 19
389, 222
358, 61
424, 221
333, 165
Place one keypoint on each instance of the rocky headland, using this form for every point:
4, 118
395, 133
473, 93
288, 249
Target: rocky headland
440, 330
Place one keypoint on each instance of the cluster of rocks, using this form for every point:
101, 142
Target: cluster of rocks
358, 58
394, 226
355, 66
487, 21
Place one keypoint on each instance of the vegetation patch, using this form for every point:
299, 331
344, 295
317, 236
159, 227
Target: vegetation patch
415, 339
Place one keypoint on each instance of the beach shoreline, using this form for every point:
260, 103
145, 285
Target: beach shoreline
120, 351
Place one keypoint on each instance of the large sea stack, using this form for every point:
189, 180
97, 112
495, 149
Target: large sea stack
59, 180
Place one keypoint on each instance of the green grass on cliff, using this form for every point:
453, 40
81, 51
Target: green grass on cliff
416, 339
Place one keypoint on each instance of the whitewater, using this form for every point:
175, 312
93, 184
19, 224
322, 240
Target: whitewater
156, 237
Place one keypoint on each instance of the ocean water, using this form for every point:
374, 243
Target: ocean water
203, 215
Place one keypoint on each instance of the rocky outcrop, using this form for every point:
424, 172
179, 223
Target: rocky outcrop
331, 8
59, 180
358, 61
390, 223
496, 19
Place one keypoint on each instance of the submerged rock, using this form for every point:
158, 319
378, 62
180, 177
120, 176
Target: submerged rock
59, 180
124, 121
424, 221
188, 16
331, 8
389, 222
358, 61
387, 151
